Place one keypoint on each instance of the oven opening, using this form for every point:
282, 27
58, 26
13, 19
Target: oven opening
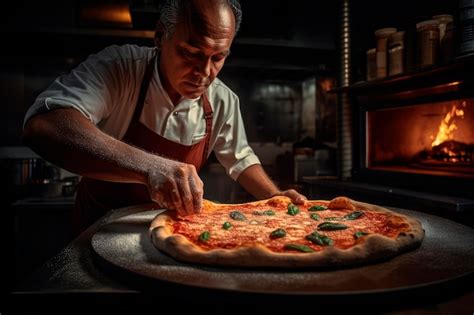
432, 138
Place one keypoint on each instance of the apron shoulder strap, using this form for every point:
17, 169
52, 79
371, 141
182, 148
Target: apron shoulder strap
208, 115
144, 89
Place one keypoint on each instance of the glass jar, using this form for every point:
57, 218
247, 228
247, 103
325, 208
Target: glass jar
446, 39
466, 26
396, 53
371, 64
381, 36
427, 43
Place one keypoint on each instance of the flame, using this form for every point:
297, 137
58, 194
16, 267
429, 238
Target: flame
448, 126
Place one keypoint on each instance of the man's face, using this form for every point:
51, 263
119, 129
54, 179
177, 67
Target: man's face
193, 56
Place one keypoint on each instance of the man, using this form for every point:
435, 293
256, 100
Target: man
138, 122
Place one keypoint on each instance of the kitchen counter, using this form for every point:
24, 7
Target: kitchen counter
41, 228
77, 276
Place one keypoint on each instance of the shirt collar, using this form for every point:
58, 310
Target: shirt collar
183, 102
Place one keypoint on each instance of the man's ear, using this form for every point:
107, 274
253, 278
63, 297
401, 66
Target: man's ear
159, 33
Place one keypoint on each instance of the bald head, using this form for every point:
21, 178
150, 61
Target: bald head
213, 18
198, 14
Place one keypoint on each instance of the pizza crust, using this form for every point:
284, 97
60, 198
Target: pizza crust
373, 247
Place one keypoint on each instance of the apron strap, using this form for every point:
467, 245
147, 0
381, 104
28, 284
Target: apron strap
208, 114
143, 90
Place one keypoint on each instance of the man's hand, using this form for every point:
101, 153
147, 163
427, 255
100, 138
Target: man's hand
256, 181
296, 197
68, 139
175, 185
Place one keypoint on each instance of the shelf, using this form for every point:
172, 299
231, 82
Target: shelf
106, 32
267, 59
443, 72
149, 34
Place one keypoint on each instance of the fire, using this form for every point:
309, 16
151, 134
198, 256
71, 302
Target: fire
448, 126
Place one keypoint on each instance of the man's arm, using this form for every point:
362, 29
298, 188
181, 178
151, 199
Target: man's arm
256, 181
68, 139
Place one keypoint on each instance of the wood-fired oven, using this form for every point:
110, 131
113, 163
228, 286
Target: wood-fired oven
416, 131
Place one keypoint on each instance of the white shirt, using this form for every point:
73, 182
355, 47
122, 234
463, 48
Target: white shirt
105, 89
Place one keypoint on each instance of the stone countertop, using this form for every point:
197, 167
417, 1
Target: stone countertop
75, 276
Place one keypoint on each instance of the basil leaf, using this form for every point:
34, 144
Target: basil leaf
353, 215
319, 239
333, 219
237, 216
226, 225
292, 209
266, 212
278, 233
317, 208
205, 236
329, 226
300, 248
269, 212
359, 234
314, 216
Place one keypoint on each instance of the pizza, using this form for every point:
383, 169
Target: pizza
277, 233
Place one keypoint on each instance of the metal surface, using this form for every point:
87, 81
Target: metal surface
446, 254
344, 108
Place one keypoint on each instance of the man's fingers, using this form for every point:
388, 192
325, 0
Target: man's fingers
176, 200
186, 197
178, 187
197, 193
299, 199
295, 196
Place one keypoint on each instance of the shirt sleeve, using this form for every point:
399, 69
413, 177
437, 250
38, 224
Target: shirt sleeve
232, 149
89, 88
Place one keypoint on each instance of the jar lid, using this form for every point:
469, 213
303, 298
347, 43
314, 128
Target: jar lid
371, 51
443, 18
397, 36
384, 32
427, 23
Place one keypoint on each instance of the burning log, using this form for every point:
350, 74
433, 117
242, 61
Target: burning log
445, 150
453, 151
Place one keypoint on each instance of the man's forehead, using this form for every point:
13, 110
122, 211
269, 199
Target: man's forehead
208, 18
221, 48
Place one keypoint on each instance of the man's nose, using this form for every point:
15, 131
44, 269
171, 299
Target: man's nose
204, 67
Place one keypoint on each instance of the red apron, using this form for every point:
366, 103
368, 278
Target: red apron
95, 197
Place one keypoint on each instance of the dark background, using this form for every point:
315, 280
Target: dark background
282, 52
